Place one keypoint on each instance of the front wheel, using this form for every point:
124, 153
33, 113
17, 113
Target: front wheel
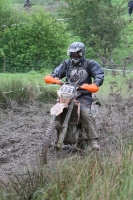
47, 141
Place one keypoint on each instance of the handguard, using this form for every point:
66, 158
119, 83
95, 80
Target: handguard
50, 80
90, 87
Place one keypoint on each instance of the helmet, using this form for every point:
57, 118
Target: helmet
76, 51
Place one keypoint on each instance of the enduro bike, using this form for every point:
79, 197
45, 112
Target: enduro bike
65, 117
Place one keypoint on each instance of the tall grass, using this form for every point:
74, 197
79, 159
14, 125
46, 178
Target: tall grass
19, 87
92, 177
25, 88
15, 91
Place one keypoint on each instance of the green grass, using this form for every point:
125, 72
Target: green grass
37, 79
25, 88
92, 177
28, 78
48, 5
114, 83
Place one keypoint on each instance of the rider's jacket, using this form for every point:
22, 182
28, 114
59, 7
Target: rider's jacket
130, 4
87, 71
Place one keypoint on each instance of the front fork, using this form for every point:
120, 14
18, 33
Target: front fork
65, 126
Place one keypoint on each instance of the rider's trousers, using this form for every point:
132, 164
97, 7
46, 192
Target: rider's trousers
88, 122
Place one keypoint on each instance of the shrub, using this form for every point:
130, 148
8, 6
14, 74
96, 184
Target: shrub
40, 42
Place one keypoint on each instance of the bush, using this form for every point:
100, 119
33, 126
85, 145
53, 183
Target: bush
38, 43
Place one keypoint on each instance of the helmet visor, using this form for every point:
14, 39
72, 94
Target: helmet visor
75, 55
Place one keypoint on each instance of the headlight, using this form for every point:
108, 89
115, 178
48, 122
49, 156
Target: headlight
66, 96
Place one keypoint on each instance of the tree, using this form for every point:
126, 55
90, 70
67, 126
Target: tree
8, 18
5, 13
99, 24
8, 15
37, 43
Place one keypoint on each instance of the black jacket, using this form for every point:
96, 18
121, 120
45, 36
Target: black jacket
130, 4
87, 71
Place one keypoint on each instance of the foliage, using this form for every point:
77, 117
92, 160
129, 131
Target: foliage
37, 43
8, 15
100, 24
5, 14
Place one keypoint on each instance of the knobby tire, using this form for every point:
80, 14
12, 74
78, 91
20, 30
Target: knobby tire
47, 141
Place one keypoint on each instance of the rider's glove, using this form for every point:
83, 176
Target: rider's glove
90, 87
50, 80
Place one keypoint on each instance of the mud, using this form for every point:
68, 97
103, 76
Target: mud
22, 132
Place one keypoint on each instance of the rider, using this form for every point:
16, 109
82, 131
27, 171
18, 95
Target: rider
79, 68
130, 7
27, 2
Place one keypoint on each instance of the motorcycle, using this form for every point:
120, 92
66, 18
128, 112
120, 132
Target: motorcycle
65, 117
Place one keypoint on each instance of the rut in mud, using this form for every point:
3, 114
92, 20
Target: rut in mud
22, 132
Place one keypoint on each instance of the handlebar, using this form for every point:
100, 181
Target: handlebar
89, 87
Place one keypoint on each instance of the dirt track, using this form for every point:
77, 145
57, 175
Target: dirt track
22, 131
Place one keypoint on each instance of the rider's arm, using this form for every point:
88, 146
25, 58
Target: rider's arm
96, 72
60, 71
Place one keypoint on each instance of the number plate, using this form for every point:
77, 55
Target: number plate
67, 89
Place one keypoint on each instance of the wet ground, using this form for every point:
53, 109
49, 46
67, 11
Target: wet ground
22, 132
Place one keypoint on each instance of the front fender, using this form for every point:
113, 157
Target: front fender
57, 109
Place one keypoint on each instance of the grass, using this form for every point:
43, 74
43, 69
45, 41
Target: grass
48, 5
92, 177
114, 83
24, 88
15, 91
31, 77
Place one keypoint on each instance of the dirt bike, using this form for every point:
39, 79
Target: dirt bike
65, 117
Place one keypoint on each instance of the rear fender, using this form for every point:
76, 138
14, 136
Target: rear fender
57, 109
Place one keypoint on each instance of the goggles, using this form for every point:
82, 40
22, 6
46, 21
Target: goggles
76, 55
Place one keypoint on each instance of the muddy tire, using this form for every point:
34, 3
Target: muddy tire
47, 141
44, 153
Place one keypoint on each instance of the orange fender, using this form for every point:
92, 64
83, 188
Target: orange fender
90, 87
50, 80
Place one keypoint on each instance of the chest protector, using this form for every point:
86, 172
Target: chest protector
77, 73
